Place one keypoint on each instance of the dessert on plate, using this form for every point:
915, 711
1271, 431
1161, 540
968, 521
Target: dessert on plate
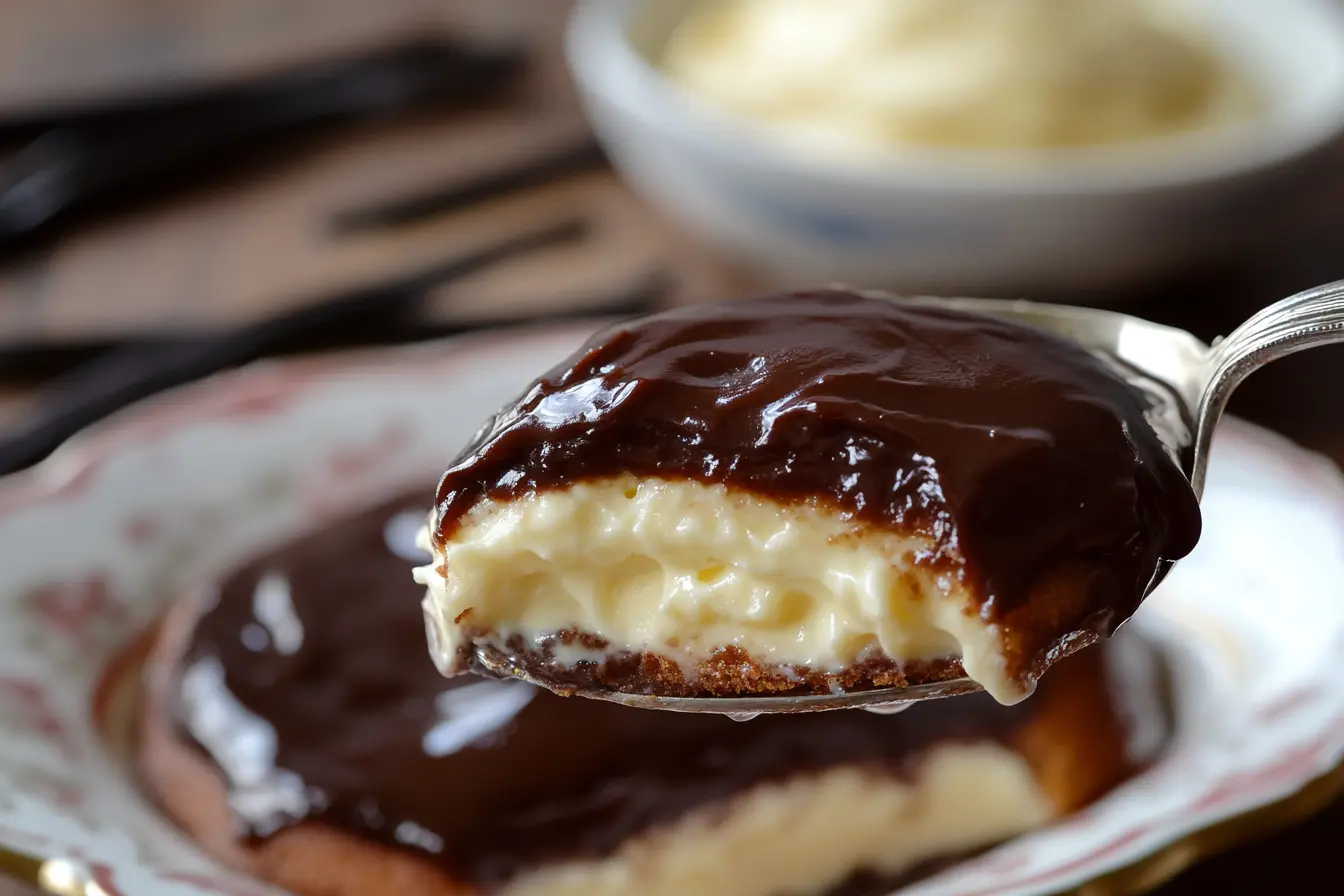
812, 492
296, 728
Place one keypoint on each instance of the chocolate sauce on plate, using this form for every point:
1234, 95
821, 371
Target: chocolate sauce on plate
308, 683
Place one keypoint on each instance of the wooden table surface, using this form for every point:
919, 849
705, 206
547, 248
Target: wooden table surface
255, 241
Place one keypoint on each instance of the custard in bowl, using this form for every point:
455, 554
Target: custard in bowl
952, 148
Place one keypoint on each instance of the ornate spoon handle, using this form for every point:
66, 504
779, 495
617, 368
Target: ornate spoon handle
1306, 320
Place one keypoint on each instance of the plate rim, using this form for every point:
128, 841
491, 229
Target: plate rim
85, 451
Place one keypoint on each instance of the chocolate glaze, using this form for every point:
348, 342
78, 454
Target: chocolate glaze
1017, 452
308, 683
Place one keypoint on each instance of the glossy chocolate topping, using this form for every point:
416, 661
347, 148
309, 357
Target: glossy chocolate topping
307, 681
1014, 450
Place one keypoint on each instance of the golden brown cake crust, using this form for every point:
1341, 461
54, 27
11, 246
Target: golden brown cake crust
1076, 741
728, 671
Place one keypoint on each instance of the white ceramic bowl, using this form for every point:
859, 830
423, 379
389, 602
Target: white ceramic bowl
964, 222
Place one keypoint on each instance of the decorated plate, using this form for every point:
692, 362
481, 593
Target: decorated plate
97, 539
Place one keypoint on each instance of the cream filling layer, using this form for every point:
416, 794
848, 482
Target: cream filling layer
806, 836
864, 77
682, 569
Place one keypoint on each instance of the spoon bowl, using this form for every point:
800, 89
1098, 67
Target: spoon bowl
1189, 384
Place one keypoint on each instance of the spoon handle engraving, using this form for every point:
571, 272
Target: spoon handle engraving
1308, 319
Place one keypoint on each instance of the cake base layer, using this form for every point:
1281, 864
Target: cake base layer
807, 836
294, 724
820, 831
571, 663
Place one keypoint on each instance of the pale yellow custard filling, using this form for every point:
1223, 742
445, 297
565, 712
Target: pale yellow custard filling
681, 569
808, 834
873, 76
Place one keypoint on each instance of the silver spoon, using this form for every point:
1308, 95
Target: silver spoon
1203, 378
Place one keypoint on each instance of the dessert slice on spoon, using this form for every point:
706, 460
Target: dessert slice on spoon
828, 499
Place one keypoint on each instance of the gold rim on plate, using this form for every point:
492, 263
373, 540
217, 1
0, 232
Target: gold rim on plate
62, 877
1152, 871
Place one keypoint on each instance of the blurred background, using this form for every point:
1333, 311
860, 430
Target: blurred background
186, 186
